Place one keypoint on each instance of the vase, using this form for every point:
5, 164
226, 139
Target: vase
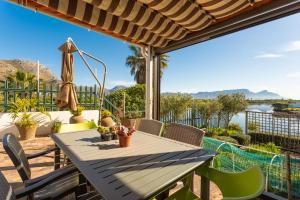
27, 133
76, 119
107, 122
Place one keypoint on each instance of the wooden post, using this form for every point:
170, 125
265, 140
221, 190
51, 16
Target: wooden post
149, 84
288, 175
156, 87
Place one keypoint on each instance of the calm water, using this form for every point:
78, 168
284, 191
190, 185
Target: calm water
241, 117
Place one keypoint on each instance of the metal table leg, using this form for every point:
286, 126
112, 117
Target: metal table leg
56, 159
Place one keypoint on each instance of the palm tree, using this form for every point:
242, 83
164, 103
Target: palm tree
137, 64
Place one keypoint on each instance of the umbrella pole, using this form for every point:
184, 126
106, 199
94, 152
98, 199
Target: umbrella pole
101, 86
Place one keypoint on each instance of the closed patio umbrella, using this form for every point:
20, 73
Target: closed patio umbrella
67, 97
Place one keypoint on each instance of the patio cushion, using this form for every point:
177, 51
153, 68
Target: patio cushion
59, 188
77, 127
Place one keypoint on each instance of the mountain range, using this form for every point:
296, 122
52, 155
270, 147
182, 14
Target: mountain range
12, 66
264, 94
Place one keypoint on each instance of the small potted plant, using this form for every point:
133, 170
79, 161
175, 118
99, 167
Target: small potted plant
106, 119
124, 135
25, 121
105, 133
56, 126
77, 115
113, 131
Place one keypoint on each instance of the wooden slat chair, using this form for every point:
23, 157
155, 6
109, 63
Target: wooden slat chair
7, 192
184, 133
245, 185
151, 126
61, 186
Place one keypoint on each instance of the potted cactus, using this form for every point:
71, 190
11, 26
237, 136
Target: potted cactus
77, 115
106, 119
26, 121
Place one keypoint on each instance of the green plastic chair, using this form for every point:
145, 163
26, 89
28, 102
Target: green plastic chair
65, 128
77, 127
244, 185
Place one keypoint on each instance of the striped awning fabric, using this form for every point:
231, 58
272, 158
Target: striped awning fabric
144, 22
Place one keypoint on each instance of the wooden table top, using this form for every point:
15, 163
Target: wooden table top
139, 171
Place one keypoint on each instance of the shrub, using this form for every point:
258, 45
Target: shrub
235, 127
213, 132
242, 139
253, 127
269, 147
227, 139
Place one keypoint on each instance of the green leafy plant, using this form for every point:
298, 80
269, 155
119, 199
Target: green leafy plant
207, 109
235, 127
56, 126
232, 104
242, 139
77, 112
227, 139
103, 130
269, 147
20, 112
133, 115
253, 127
106, 113
175, 105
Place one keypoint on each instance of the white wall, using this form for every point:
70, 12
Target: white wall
7, 126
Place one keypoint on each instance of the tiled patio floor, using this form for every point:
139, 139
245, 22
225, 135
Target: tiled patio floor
44, 164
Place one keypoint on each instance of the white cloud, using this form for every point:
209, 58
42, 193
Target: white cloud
293, 46
121, 82
293, 75
269, 55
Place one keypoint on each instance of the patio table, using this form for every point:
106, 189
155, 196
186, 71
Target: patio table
147, 167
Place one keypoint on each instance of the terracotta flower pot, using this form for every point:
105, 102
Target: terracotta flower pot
124, 140
107, 122
27, 133
76, 119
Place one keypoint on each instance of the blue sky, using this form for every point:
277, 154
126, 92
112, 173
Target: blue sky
263, 57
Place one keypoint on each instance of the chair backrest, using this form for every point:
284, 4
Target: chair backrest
6, 191
17, 155
184, 133
248, 184
77, 127
151, 126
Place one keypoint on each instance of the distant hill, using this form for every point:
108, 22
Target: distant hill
264, 94
12, 66
118, 87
